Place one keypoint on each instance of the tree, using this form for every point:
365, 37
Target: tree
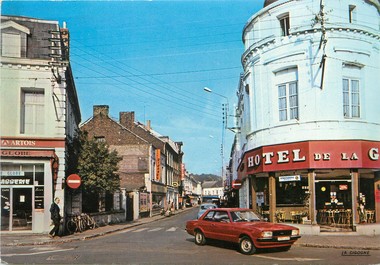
97, 166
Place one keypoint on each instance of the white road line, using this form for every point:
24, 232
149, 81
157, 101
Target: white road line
287, 259
155, 229
139, 230
126, 231
35, 253
171, 229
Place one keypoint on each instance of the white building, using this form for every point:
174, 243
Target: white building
307, 101
39, 114
213, 188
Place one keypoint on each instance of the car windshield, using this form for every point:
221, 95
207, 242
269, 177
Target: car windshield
244, 216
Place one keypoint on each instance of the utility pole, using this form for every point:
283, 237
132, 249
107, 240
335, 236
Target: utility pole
323, 41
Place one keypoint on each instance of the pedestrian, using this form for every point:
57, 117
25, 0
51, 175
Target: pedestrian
55, 217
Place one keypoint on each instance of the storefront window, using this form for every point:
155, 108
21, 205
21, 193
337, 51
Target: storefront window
22, 191
292, 192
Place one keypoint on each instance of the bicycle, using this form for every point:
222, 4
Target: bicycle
80, 223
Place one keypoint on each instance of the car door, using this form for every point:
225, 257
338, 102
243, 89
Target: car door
207, 224
222, 226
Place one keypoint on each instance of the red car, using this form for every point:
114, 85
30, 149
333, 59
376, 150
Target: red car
241, 226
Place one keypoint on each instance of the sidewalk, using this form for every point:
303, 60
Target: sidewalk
324, 240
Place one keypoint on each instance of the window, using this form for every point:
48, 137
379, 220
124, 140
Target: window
352, 14
351, 98
11, 45
287, 89
32, 112
285, 24
288, 101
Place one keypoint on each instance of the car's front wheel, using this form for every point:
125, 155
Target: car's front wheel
246, 246
200, 238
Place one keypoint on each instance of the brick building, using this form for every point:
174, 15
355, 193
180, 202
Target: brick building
151, 163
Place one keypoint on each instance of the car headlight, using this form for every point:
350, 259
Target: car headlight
295, 232
267, 234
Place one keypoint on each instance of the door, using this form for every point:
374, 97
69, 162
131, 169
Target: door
5, 208
21, 209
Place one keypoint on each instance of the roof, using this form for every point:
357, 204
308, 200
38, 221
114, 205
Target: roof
212, 184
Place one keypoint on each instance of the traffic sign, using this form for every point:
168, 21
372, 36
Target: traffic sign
73, 181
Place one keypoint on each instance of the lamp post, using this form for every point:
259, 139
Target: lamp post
225, 126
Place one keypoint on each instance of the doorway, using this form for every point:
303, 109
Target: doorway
17, 209
334, 205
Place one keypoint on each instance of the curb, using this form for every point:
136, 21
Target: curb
314, 245
90, 236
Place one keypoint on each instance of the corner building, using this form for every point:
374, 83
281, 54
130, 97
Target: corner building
309, 141
39, 117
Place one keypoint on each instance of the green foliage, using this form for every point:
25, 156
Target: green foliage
97, 166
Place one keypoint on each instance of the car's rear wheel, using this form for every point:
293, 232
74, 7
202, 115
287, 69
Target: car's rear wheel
200, 238
246, 246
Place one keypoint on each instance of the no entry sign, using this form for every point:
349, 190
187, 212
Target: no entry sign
73, 181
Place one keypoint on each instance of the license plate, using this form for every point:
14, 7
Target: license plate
283, 238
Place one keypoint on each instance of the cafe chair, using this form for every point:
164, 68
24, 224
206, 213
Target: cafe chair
331, 218
370, 216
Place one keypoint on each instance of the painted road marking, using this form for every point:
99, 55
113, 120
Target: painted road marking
287, 259
36, 253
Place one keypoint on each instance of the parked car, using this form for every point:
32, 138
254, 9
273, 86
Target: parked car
241, 226
204, 207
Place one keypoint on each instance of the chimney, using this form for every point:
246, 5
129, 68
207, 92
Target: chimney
127, 119
100, 110
148, 127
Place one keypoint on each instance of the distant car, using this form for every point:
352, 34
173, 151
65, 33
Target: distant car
244, 227
204, 207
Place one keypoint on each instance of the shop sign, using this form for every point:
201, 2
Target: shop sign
32, 143
158, 164
12, 173
343, 187
290, 178
26, 153
16, 181
312, 154
39, 197
144, 202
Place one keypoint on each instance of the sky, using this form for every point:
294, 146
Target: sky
155, 58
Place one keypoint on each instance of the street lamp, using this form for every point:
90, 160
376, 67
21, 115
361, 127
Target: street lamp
225, 126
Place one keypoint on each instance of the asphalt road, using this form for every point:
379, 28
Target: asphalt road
166, 242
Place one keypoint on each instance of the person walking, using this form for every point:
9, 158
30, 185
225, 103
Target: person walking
55, 217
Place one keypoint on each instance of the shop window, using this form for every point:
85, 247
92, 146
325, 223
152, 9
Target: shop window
32, 112
292, 192
351, 98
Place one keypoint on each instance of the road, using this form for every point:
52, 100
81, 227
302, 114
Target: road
166, 242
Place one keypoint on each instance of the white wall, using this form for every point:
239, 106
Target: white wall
320, 110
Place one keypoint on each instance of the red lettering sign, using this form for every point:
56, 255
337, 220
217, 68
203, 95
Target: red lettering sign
311, 154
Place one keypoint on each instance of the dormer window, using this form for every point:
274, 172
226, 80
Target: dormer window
13, 40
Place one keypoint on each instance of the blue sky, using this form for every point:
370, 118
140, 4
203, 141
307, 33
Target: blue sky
155, 58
